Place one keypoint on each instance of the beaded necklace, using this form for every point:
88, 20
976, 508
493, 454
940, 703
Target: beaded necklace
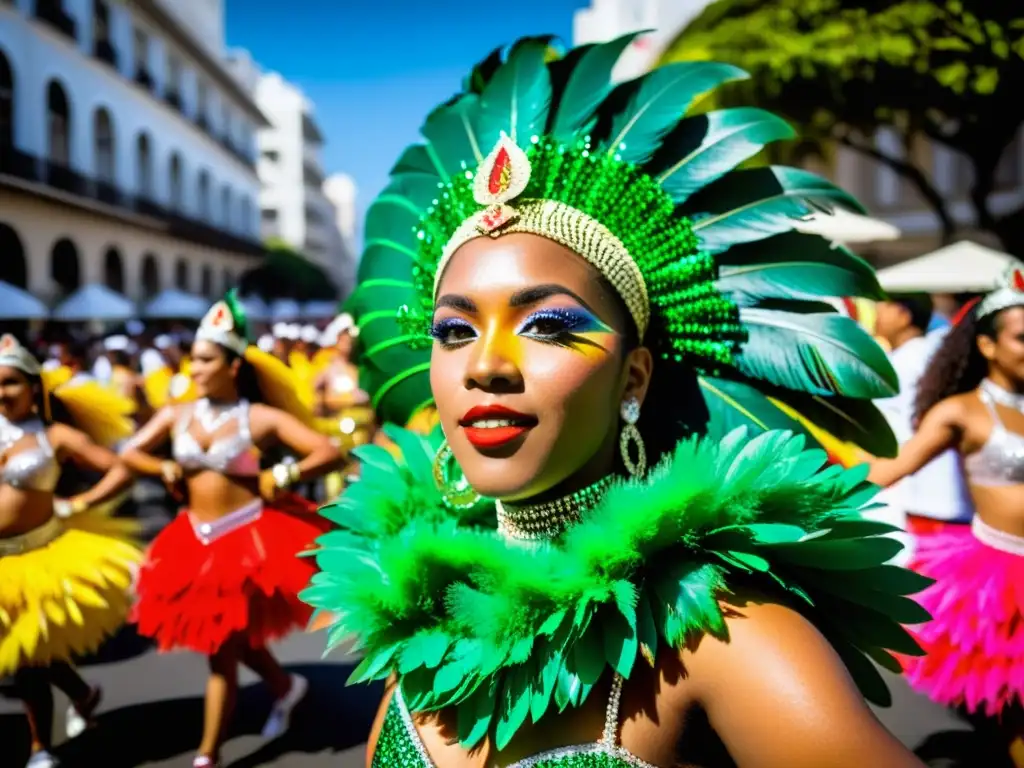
549, 519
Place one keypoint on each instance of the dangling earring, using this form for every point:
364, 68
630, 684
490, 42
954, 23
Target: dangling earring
630, 412
456, 492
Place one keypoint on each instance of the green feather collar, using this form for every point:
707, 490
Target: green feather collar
504, 632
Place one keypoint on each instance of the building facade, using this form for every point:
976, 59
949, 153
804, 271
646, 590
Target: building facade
127, 149
887, 196
293, 205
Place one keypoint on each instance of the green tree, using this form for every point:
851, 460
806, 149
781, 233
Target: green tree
286, 273
841, 69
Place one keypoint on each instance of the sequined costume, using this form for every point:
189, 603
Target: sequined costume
504, 614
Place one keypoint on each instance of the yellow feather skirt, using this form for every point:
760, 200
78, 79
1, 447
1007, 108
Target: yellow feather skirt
64, 598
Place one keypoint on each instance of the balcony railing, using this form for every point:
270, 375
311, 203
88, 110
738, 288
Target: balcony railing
174, 99
52, 12
104, 51
27, 167
143, 78
203, 122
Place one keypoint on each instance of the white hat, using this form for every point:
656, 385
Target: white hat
118, 343
343, 323
266, 342
293, 331
151, 361
280, 330
163, 341
310, 334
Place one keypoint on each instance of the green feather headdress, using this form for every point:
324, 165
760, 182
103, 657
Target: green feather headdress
728, 286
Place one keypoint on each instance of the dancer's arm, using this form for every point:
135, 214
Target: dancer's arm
137, 454
70, 443
319, 455
940, 429
777, 694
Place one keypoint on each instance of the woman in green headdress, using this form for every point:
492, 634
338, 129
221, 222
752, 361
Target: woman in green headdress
592, 556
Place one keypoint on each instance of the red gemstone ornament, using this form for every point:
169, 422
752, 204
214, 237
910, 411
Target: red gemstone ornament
1018, 280
501, 173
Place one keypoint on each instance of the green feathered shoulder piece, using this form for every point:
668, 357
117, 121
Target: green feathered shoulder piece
506, 632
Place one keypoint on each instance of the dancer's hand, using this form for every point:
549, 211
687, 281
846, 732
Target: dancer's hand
172, 474
269, 489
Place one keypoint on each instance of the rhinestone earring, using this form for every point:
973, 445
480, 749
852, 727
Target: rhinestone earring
630, 412
456, 492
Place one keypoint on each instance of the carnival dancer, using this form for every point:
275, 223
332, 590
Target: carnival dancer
222, 578
561, 257
65, 565
971, 399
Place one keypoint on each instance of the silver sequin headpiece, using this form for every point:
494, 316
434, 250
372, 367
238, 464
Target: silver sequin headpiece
1010, 292
13, 355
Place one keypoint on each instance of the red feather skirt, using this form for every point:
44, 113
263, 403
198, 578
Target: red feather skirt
196, 596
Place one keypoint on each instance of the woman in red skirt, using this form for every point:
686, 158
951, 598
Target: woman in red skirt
222, 579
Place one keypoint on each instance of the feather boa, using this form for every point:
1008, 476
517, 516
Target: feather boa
504, 631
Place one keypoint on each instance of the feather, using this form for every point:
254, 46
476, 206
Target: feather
590, 81
453, 145
751, 205
659, 99
819, 354
711, 145
517, 98
850, 420
733, 404
415, 159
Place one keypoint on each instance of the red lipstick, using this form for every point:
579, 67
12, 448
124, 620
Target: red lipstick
492, 426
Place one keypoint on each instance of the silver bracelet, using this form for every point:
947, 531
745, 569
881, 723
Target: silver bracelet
285, 474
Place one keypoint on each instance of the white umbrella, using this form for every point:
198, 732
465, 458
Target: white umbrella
256, 308
963, 267
94, 302
843, 226
16, 304
319, 310
285, 309
176, 304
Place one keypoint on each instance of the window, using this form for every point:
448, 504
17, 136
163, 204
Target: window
6, 103
226, 126
103, 136
113, 270
144, 166
173, 85
245, 213
100, 21
204, 192
141, 51
269, 215
150, 276
225, 207
58, 124
207, 281
202, 97
176, 182
271, 155
181, 274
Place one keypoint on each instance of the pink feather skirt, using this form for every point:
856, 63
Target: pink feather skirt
975, 640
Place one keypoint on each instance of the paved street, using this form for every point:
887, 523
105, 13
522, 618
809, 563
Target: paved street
152, 713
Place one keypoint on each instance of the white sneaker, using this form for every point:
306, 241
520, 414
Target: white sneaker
281, 713
42, 759
74, 723
203, 761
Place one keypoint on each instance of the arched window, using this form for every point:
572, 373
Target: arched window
64, 267
103, 138
6, 103
13, 265
150, 276
113, 270
177, 198
245, 213
181, 274
204, 193
144, 166
207, 281
58, 124
225, 207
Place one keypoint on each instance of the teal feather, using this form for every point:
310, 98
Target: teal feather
659, 100
517, 99
453, 142
415, 159
851, 420
711, 145
747, 285
750, 205
819, 354
589, 84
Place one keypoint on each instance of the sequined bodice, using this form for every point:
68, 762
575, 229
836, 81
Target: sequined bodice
399, 745
32, 468
234, 454
1001, 459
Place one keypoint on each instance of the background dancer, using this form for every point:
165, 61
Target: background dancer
222, 579
971, 399
65, 567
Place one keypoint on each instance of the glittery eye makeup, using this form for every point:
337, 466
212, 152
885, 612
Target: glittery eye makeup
452, 332
571, 327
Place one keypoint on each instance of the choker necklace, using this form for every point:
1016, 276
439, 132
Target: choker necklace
549, 519
1002, 396
210, 418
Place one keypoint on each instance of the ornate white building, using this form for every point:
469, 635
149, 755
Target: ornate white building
127, 149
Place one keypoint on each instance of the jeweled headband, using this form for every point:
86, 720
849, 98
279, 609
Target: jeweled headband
13, 355
1010, 292
221, 326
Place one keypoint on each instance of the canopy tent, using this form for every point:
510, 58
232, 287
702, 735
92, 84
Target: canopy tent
173, 304
94, 302
319, 310
843, 226
963, 267
16, 304
256, 309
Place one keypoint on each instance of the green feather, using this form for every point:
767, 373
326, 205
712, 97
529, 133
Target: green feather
659, 99
820, 354
749, 284
454, 146
589, 83
733, 404
415, 159
751, 205
854, 421
711, 145
517, 98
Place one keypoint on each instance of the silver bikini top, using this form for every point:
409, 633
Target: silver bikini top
233, 454
30, 469
1001, 459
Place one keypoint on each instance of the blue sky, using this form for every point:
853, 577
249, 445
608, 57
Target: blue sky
375, 68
